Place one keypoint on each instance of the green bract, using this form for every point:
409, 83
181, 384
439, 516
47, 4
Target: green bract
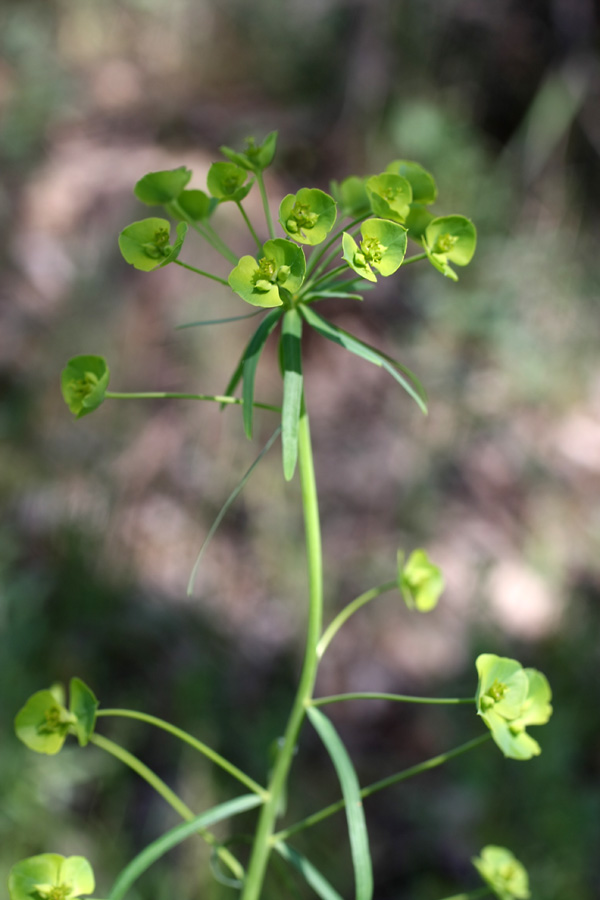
261, 283
158, 188
508, 699
417, 221
420, 582
256, 157
44, 723
423, 185
351, 196
382, 247
193, 204
308, 216
83, 383
450, 238
50, 876
506, 876
225, 181
390, 196
146, 246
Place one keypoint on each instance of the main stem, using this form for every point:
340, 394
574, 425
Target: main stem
268, 816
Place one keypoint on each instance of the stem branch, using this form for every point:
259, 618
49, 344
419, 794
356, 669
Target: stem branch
349, 610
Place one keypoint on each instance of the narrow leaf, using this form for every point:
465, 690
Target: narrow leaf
250, 362
313, 877
357, 828
218, 321
402, 374
291, 358
175, 836
235, 492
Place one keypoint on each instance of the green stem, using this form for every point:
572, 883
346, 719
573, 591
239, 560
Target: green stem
265, 200
314, 259
349, 610
193, 742
379, 785
328, 275
249, 224
400, 698
412, 259
161, 395
200, 272
208, 233
263, 840
167, 794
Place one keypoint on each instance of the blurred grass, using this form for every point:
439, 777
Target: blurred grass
103, 517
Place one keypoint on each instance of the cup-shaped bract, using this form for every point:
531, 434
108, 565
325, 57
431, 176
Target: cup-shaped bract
43, 723
308, 216
351, 196
225, 181
145, 244
83, 704
503, 872
508, 699
159, 188
281, 268
255, 157
83, 383
382, 247
390, 196
422, 183
192, 204
450, 239
417, 221
420, 581
50, 876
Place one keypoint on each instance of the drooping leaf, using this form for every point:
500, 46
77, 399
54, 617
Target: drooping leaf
357, 828
309, 872
291, 356
83, 704
251, 357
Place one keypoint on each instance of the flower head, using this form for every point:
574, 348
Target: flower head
508, 699
506, 876
146, 244
50, 876
256, 157
420, 581
390, 196
382, 247
450, 238
351, 196
308, 216
44, 722
83, 383
279, 271
225, 181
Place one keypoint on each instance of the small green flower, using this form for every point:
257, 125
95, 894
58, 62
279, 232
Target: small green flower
503, 872
256, 157
159, 188
308, 216
450, 238
351, 196
420, 581
422, 183
83, 382
508, 699
382, 248
146, 246
225, 181
44, 722
390, 196
50, 876
277, 275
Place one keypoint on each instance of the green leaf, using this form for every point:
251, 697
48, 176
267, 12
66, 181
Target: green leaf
251, 357
382, 247
49, 876
420, 582
83, 705
503, 872
193, 205
451, 238
83, 383
43, 723
282, 268
351, 196
291, 335
422, 183
158, 188
225, 181
252, 315
357, 828
407, 379
390, 196
417, 221
145, 244
256, 157
310, 873
308, 216
175, 836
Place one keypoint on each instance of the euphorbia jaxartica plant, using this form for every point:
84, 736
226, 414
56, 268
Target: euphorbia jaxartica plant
284, 277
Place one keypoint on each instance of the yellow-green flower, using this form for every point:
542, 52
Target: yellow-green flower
50, 876
506, 876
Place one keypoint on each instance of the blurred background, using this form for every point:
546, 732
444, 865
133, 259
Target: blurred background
102, 518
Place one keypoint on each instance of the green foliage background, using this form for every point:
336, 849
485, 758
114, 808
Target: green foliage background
102, 518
